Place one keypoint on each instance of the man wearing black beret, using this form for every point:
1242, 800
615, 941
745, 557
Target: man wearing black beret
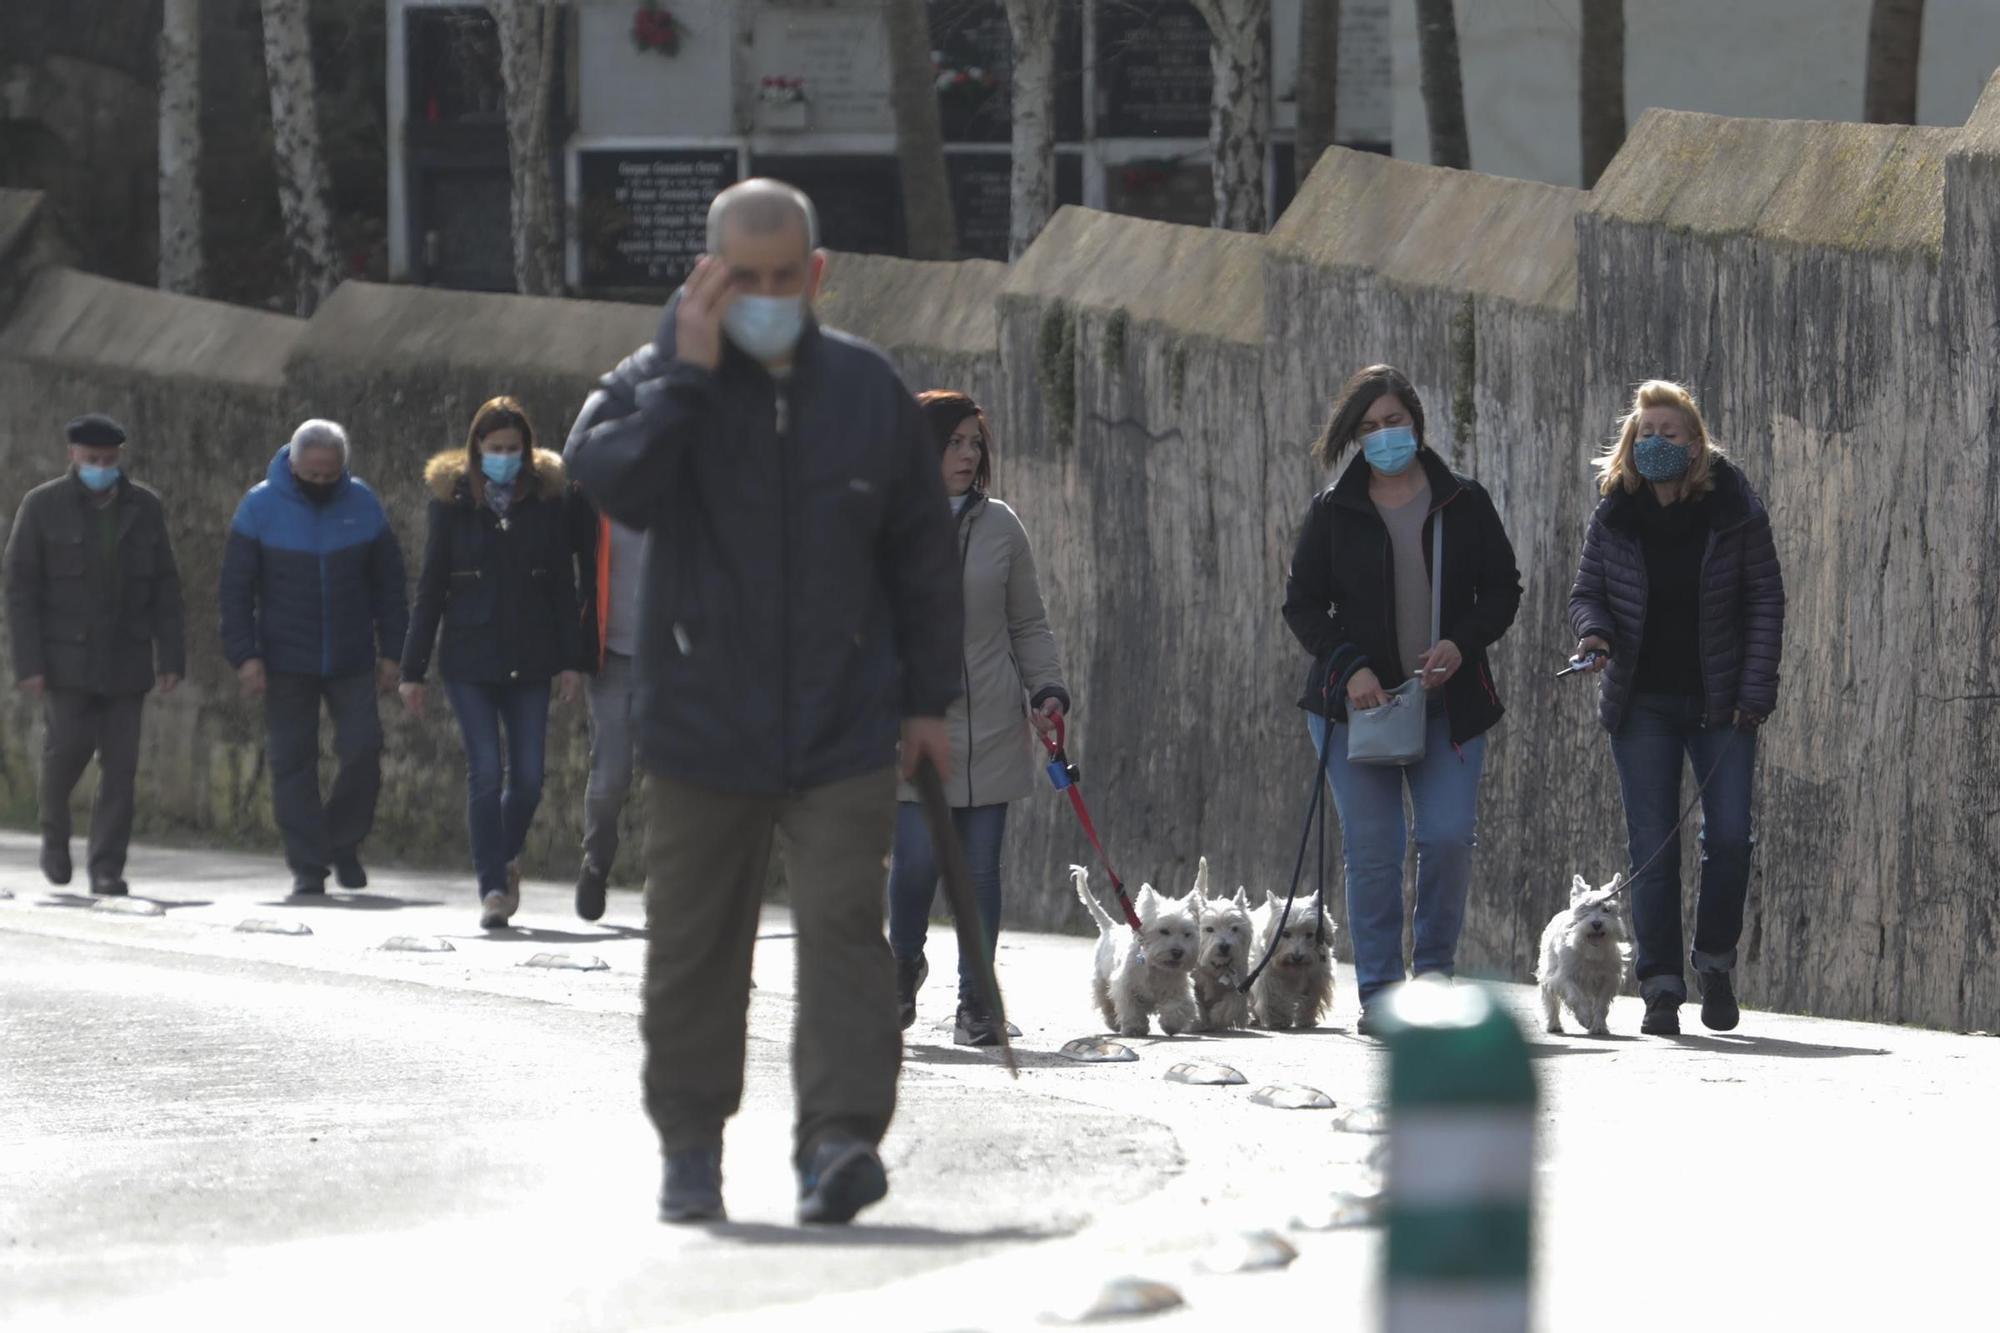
94, 610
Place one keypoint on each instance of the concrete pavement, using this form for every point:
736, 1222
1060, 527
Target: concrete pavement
203, 1125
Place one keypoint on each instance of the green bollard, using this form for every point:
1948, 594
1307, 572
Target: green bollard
1461, 1174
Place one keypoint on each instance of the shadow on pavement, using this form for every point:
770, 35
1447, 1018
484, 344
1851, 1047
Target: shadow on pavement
92, 899
914, 1054
1538, 1049
1790, 1050
359, 902
602, 935
861, 1234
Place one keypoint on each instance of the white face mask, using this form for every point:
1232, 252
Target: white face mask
766, 327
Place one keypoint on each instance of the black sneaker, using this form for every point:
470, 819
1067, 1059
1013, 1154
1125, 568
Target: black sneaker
1663, 1016
975, 1026
692, 1188
840, 1178
347, 871
305, 886
1368, 1025
910, 974
56, 868
1719, 1012
109, 887
590, 883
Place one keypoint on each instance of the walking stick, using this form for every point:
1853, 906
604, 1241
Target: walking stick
958, 892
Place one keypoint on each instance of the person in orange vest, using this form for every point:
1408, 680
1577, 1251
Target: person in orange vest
619, 555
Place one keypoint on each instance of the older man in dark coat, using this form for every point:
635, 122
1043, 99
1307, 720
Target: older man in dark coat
94, 609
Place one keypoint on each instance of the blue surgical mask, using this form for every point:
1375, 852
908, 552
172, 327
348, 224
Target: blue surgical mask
1390, 449
500, 468
1660, 459
766, 327
98, 479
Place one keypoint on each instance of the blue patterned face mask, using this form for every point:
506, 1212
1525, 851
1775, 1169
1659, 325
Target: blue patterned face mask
1660, 459
1390, 449
500, 468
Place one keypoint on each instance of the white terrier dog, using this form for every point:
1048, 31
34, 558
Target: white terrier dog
1142, 973
1224, 959
1585, 951
1296, 990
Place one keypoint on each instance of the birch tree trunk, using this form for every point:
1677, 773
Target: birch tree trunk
527, 30
302, 175
1319, 65
931, 230
1895, 43
1239, 113
1443, 84
1032, 25
180, 147
1602, 106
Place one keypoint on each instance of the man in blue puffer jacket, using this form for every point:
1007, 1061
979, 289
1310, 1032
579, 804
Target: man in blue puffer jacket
314, 606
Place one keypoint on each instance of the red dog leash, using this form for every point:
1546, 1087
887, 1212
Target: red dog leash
1065, 776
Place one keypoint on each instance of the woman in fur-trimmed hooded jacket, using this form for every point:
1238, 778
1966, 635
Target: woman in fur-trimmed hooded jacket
1679, 601
500, 573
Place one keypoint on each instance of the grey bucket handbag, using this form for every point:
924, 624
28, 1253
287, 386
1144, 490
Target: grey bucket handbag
1394, 733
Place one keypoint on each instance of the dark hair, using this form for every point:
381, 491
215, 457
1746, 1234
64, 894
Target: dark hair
945, 410
494, 414
1356, 397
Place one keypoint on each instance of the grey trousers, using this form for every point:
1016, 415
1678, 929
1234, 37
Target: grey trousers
77, 726
706, 857
610, 694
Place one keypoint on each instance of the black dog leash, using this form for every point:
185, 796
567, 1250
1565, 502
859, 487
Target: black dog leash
1315, 815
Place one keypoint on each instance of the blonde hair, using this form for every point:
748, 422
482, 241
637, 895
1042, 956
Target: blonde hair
1615, 468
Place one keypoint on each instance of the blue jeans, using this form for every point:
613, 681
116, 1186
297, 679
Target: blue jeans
500, 795
1444, 793
913, 879
1658, 730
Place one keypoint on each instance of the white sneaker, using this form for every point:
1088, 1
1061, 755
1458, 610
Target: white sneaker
496, 908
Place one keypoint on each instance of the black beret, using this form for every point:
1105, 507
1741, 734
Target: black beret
96, 430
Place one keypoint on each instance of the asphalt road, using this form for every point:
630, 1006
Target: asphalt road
207, 1128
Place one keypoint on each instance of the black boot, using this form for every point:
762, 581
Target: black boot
590, 884
1663, 1015
1719, 1012
975, 1026
56, 868
347, 870
692, 1189
910, 974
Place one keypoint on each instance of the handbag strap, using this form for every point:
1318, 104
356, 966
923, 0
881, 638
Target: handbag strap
1437, 575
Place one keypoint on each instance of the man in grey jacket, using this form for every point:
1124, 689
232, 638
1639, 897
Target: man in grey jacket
801, 614
94, 610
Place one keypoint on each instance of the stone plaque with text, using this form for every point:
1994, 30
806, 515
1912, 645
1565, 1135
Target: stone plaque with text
642, 214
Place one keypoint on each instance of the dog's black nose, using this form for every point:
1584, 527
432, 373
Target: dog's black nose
1222, 949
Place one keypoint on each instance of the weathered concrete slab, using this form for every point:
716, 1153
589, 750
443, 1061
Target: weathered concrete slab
72, 319
1838, 187
1199, 282
1423, 226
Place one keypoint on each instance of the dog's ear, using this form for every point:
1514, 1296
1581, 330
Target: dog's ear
1242, 898
1617, 883
1201, 878
1578, 888
1148, 902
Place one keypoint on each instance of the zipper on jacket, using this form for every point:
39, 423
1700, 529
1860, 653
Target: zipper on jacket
781, 421
964, 662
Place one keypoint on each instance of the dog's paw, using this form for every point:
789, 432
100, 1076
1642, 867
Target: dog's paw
1600, 1030
1555, 1025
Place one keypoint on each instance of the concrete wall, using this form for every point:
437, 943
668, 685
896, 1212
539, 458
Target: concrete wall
1830, 290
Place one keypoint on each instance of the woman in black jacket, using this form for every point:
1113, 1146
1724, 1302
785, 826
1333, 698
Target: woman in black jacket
1680, 599
1359, 599
500, 573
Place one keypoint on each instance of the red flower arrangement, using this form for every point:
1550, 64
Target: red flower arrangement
654, 28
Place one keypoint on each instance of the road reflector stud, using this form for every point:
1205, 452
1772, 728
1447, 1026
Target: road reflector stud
1203, 1074
128, 907
1365, 1119
258, 925
1343, 1210
569, 962
1120, 1298
1461, 1166
418, 944
1097, 1051
1292, 1097
1248, 1252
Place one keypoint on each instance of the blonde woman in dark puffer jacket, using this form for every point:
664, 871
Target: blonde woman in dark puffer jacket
1680, 597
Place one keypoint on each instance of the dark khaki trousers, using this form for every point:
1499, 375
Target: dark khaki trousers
707, 854
78, 725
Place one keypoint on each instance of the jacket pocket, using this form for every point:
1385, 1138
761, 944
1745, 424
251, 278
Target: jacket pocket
468, 598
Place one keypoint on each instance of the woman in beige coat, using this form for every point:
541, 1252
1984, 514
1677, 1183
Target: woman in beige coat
1013, 688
